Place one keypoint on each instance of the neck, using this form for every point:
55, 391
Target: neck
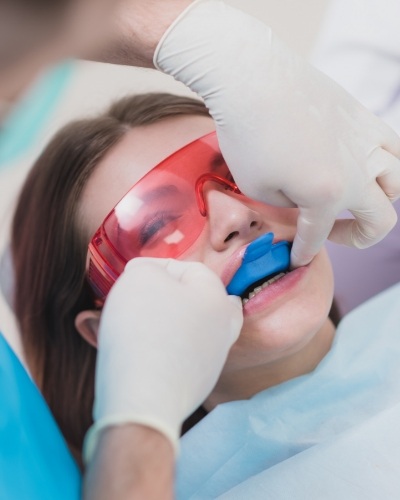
242, 384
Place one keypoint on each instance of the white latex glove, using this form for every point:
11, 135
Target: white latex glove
290, 135
165, 332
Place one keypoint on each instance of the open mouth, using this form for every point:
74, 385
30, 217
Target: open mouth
263, 263
252, 290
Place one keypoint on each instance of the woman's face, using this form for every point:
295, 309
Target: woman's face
282, 318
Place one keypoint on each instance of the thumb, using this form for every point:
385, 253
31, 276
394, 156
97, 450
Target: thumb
313, 228
236, 301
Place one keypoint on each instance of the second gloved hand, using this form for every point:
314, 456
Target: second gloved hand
165, 332
290, 135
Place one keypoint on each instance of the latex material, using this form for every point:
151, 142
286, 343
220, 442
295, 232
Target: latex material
165, 331
162, 215
359, 47
289, 134
35, 463
25, 122
262, 258
315, 424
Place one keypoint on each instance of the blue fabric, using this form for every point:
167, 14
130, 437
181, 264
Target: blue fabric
319, 415
35, 463
360, 464
22, 127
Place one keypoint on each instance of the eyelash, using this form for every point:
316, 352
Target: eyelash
155, 224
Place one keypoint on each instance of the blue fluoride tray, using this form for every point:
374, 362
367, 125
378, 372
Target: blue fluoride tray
262, 258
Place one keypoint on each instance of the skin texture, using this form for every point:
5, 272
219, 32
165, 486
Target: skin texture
126, 32
129, 458
284, 335
35, 42
137, 28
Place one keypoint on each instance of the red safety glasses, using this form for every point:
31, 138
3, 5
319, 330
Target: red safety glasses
162, 215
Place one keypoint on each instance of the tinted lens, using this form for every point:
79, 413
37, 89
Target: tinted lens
159, 216
157, 220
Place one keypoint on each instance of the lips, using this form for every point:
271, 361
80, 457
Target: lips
262, 263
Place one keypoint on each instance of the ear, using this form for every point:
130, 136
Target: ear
87, 324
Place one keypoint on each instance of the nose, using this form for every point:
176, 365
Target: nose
230, 219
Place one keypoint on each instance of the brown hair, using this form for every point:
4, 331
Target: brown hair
49, 252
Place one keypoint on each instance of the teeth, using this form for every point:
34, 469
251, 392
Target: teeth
276, 278
264, 285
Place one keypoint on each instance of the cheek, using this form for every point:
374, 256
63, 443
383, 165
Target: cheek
288, 327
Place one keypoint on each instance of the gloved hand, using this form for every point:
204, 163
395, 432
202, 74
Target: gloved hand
289, 134
165, 332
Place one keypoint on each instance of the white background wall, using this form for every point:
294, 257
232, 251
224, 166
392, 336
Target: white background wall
94, 85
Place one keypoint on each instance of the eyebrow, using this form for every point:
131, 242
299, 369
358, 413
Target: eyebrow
216, 161
160, 191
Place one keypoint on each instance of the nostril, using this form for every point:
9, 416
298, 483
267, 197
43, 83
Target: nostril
230, 236
253, 223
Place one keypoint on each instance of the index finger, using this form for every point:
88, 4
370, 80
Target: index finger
374, 218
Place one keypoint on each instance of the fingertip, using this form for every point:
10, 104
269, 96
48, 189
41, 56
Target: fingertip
372, 222
298, 257
237, 301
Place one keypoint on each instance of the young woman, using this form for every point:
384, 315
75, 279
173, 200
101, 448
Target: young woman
82, 174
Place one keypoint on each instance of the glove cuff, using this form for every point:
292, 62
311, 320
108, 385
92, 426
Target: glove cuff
183, 14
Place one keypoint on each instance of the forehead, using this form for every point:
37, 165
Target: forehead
141, 149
